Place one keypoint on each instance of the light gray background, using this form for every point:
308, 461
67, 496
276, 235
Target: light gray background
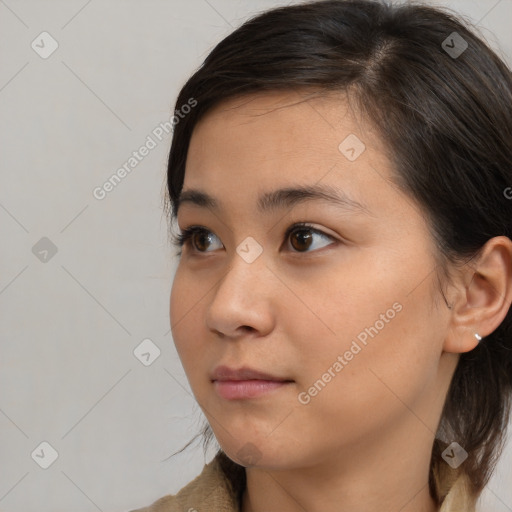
69, 326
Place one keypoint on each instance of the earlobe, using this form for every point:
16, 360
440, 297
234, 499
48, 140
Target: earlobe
482, 305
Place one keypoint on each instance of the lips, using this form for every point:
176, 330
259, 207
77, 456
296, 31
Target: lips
224, 373
246, 383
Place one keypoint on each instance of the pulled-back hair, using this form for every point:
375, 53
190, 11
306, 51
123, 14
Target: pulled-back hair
445, 118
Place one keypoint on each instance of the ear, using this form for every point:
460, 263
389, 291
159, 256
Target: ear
483, 296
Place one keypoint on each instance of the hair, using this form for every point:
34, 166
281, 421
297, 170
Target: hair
446, 123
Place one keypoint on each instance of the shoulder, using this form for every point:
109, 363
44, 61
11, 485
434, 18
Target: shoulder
212, 491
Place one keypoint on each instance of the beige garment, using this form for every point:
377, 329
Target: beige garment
213, 491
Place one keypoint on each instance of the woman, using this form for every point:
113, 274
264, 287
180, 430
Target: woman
342, 301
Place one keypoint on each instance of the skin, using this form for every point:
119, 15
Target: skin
364, 441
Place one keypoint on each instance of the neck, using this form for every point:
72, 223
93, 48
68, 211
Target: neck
390, 476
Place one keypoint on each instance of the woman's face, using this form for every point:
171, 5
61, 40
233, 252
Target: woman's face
344, 309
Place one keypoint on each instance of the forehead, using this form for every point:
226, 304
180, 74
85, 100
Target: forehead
280, 123
261, 142
288, 116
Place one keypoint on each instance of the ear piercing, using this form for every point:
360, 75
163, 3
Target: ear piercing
478, 337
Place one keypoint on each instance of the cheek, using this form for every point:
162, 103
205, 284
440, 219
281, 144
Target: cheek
369, 332
375, 385
176, 299
184, 309
188, 302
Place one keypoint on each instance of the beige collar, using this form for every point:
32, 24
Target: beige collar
213, 491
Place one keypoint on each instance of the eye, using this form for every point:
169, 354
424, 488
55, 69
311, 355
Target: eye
302, 238
188, 235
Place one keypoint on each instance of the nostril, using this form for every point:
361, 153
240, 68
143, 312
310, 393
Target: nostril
247, 328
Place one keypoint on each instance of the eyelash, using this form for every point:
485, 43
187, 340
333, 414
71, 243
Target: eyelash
183, 238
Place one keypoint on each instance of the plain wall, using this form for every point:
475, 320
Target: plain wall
71, 319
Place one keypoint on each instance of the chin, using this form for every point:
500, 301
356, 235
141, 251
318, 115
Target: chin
261, 454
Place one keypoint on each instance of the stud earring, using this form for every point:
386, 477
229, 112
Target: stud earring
478, 337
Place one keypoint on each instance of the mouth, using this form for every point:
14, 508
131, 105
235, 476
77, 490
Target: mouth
245, 383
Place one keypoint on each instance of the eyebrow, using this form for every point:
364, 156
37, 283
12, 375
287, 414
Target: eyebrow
283, 198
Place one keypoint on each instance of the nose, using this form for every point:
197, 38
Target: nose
243, 300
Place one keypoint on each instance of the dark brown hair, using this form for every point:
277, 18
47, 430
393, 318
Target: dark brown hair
446, 121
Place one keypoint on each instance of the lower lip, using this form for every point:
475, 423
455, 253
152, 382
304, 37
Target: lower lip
242, 389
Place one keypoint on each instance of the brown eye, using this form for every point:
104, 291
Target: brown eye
198, 238
303, 237
201, 240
